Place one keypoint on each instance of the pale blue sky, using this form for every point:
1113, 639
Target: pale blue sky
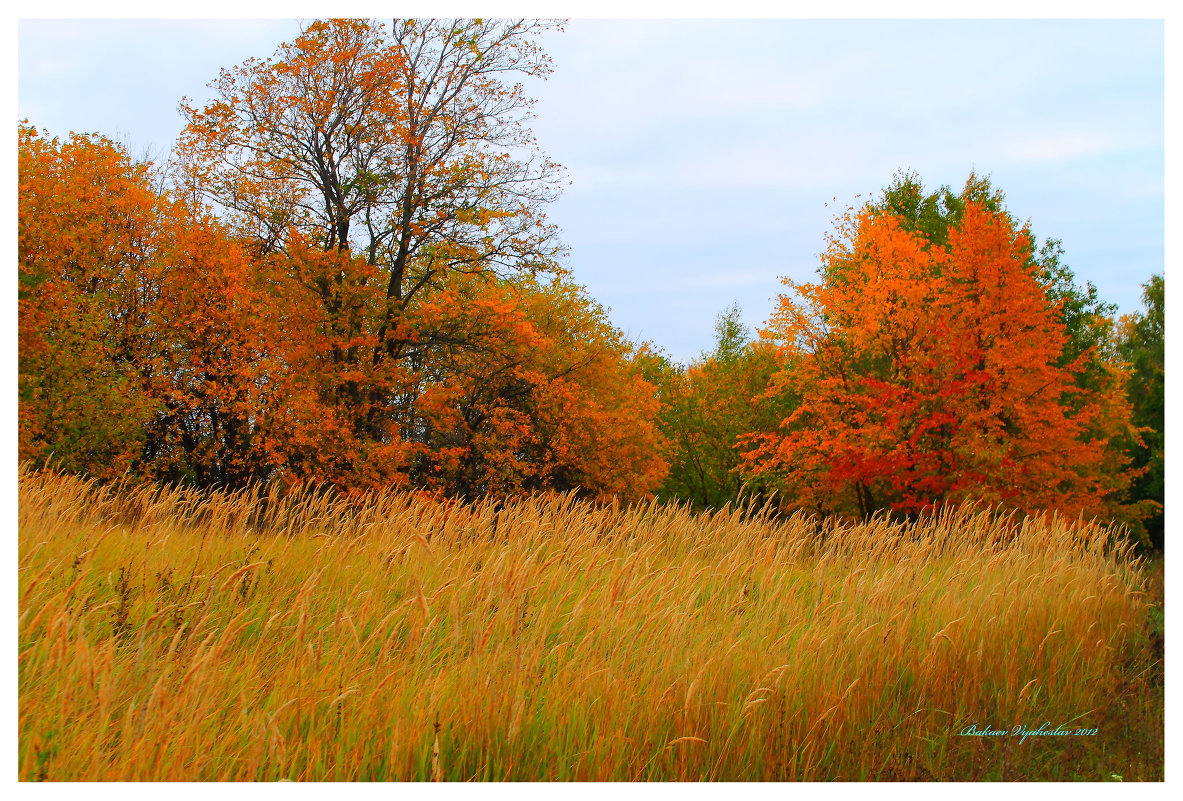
703, 154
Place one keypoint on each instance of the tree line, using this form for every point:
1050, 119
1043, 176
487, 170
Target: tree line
344, 274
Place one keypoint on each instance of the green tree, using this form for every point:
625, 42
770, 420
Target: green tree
707, 405
1141, 344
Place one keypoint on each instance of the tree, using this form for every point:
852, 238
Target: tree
151, 340
404, 145
222, 356
597, 415
707, 406
403, 149
87, 277
344, 285
1087, 319
1142, 345
929, 368
548, 397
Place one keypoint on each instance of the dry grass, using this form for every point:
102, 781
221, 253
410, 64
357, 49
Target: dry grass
174, 635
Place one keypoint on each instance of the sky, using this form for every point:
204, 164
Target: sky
709, 158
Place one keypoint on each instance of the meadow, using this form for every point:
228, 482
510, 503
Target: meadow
170, 634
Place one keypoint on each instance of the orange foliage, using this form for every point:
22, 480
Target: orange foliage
927, 375
535, 390
404, 145
298, 140
87, 232
389, 165
154, 339
151, 341
220, 359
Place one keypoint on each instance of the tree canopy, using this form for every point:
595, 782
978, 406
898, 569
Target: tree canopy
707, 406
929, 363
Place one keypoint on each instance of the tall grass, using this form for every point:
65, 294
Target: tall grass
169, 634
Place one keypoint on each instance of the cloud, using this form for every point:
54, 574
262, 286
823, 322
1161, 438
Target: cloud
1063, 146
662, 281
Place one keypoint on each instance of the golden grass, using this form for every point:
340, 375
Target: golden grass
173, 635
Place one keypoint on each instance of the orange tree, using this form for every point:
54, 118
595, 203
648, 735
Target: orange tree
401, 153
224, 349
88, 277
405, 146
528, 386
929, 369
151, 341
597, 415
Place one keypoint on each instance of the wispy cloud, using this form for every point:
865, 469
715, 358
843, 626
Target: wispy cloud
1064, 146
673, 281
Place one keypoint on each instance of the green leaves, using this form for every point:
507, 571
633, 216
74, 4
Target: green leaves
1141, 344
708, 406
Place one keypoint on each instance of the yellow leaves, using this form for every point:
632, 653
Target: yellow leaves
353, 122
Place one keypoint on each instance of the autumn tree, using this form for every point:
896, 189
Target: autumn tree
350, 281
222, 357
1087, 319
533, 388
87, 278
405, 149
151, 339
405, 144
597, 414
707, 406
1091, 346
929, 368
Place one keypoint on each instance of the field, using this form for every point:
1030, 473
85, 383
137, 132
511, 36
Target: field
174, 635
